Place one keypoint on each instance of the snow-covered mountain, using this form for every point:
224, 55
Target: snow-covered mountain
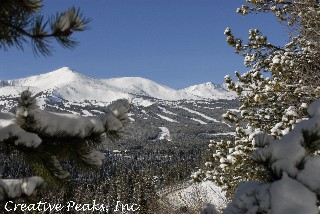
158, 113
145, 87
209, 91
69, 85
54, 79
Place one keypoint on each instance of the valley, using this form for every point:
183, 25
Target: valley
165, 141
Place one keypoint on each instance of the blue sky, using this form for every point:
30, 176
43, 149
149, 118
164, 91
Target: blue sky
173, 42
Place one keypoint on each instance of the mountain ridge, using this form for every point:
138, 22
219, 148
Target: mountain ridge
159, 113
72, 85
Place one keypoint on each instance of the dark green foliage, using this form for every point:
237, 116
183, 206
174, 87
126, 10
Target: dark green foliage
311, 141
53, 158
129, 177
20, 22
60, 149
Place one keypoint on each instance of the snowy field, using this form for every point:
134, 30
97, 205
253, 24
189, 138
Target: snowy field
195, 196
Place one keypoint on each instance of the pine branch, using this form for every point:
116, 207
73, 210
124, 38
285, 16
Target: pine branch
18, 23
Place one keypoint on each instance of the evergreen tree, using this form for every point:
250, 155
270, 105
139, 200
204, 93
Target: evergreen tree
45, 139
294, 162
144, 194
275, 92
122, 182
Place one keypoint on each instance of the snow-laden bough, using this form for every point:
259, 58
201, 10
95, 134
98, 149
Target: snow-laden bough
50, 135
295, 165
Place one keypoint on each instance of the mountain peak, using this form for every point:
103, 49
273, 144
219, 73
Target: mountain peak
66, 74
63, 71
76, 86
209, 84
146, 87
53, 79
210, 90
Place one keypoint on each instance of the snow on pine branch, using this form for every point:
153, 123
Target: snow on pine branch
14, 188
10, 130
30, 123
295, 165
93, 157
282, 196
70, 125
57, 127
116, 115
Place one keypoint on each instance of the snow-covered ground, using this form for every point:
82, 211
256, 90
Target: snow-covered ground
164, 134
167, 118
200, 114
164, 110
203, 116
199, 121
194, 196
223, 133
86, 113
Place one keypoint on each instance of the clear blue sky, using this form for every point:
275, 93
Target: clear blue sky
173, 42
